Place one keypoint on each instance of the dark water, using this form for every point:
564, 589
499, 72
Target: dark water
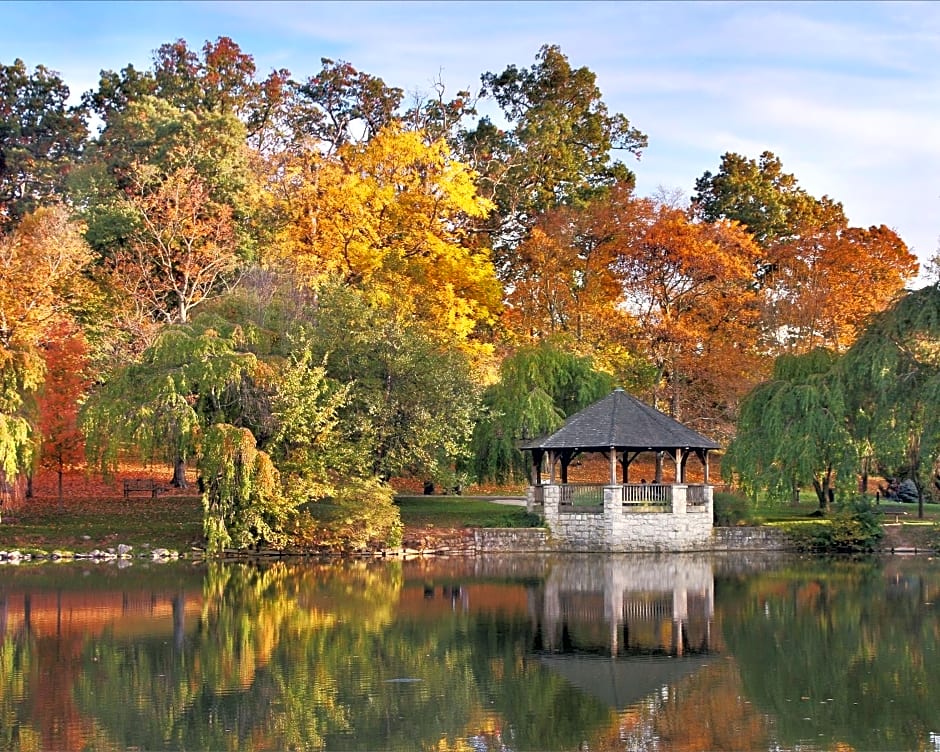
515, 653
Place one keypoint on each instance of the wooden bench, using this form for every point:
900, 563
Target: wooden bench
896, 513
148, 485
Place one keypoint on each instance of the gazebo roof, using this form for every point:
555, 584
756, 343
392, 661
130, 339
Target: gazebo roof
622, 421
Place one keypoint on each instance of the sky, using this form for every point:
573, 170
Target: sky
846, 94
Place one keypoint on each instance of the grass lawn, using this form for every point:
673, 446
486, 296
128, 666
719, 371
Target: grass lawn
807, 508
175, 522
87, 524
460, 512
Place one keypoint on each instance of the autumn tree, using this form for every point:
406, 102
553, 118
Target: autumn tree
41, 138
165, 195
182, 250
833, 280
688, 286
389, 217
221, 80
819, 278
793, 430
38, 260
556, 149
67, 378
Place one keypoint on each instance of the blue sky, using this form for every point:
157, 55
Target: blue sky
847, 94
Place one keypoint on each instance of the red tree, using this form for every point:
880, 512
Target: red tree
62, 444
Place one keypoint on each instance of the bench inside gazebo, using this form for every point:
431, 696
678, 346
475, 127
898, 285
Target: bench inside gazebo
620, 515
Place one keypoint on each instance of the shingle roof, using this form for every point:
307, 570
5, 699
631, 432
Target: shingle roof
622, 421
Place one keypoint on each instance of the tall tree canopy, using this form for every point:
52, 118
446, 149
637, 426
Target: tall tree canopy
556, 149
389, 217
820, 278
41, 137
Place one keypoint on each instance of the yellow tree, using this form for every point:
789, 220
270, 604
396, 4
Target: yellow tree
38, 261
390, 216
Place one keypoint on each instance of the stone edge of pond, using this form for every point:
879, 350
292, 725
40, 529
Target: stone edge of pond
475, 542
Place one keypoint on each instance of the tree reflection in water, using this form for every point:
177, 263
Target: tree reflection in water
616, 652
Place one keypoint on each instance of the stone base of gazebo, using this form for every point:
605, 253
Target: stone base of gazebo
625, 518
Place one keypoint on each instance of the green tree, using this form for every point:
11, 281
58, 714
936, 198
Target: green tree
891, 377
759, 194
793, 429
41, 138
556, 149
241, 497
191, 377
539, 386
412, 394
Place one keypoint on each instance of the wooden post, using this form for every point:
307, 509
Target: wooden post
613, 466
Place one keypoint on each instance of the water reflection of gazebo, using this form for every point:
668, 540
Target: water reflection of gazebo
621, 627
621, 515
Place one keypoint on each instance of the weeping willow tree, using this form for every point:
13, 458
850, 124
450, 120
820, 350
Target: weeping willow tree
21, 374
792, 430
192, 376
539, 387
242, 502
891, 377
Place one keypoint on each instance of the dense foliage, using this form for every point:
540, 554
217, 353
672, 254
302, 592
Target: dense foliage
360, 290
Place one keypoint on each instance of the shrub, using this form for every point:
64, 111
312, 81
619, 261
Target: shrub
854, 528
361, 513
730, 509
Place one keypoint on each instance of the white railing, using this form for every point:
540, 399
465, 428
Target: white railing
646, 497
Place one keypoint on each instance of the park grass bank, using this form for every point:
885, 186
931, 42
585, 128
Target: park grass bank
431, 523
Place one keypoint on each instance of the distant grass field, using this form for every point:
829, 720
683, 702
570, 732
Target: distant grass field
461, 512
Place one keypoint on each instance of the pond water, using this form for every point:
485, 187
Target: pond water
641, 652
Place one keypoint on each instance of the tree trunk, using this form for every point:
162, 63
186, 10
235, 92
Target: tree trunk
179, 473
821, 495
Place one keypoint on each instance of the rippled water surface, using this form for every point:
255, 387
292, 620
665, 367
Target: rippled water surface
515, 653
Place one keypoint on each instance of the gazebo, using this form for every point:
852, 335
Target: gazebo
621, 515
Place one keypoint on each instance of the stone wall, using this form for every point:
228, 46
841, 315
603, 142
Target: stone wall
615, 528
529, 540
750, 539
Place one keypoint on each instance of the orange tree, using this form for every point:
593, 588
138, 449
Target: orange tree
38, 261
819, 278
687, 284
67, 378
